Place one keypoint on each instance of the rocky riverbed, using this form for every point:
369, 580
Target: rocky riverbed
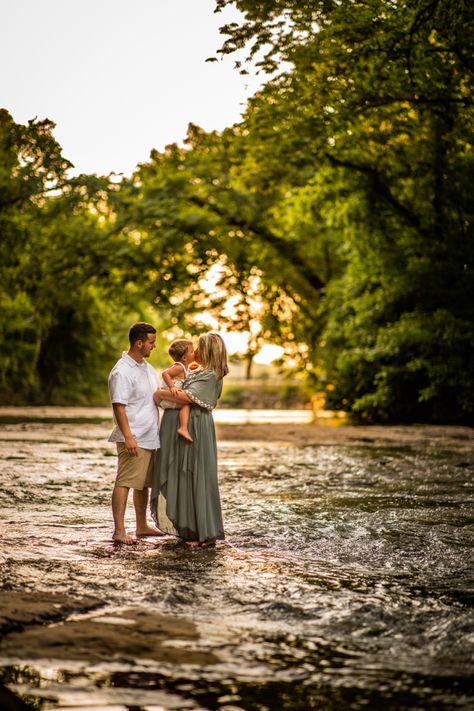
345, 580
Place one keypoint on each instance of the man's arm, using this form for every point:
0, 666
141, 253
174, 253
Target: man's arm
122, 421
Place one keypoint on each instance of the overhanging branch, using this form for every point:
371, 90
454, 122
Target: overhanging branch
268, 237
382, 189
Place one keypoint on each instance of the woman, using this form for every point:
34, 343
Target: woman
185, 493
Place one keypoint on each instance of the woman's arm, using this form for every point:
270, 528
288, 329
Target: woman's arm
180, 398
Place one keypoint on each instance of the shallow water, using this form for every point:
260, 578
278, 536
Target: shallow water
345, 580
233, 416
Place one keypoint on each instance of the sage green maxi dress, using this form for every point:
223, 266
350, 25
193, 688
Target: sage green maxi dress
185, 497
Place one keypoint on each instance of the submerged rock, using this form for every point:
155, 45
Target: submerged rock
10, 702
125, 636
20, 609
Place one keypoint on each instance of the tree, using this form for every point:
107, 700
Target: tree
340, 205
377, 97
62, 275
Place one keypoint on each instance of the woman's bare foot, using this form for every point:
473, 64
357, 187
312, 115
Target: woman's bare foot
123, 537
184, 433
192, 544
208, 544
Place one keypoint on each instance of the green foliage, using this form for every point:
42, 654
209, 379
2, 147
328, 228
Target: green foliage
337, 217
259, 393
371, 116
61, 273
232, 395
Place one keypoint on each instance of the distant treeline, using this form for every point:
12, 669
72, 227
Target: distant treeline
338, 215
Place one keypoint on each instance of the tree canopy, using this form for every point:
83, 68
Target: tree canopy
335, 219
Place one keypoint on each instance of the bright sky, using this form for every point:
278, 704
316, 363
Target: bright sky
118, 77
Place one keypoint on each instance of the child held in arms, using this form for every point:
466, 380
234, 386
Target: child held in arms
182, 353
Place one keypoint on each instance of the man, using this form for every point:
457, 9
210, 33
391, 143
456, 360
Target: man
132, 382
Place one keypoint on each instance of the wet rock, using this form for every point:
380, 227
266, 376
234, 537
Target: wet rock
122, 637
20, 609
10, 702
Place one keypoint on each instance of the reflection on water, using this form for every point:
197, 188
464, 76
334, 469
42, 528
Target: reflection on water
12, 415
253, 417
345, 580
224, 416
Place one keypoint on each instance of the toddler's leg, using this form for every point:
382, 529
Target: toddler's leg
183, 423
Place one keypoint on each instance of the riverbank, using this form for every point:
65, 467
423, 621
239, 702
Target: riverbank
303, 434
292, 427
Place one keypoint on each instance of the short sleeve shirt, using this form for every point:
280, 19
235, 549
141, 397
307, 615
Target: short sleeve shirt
132, 384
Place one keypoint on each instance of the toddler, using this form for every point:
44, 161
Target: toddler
182, 352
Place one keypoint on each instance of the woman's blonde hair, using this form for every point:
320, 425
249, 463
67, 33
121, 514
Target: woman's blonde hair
213, 354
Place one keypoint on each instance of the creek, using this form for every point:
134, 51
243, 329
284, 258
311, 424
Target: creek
345, 581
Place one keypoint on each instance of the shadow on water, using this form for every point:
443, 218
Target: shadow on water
345, 582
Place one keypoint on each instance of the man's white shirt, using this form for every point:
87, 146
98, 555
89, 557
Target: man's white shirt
132, 384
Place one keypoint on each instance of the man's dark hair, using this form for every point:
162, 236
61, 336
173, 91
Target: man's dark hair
139, 332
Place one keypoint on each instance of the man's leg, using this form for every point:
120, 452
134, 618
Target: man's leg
140, 496
119, 504
140, 501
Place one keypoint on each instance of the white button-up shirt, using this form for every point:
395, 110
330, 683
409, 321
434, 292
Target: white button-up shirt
132, 384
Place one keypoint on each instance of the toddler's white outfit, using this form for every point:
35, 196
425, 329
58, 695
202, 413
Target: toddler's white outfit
178, 383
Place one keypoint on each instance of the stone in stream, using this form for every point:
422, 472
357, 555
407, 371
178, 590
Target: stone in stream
10, 702
19, 609
125, 636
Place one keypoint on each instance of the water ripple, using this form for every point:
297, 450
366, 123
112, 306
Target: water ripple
347, 568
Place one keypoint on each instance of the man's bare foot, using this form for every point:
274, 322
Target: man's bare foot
123, 537
185, 434
148, 531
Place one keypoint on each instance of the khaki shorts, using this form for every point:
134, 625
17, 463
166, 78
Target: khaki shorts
134, 472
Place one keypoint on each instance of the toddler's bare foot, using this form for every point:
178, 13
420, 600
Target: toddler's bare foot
184, 433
